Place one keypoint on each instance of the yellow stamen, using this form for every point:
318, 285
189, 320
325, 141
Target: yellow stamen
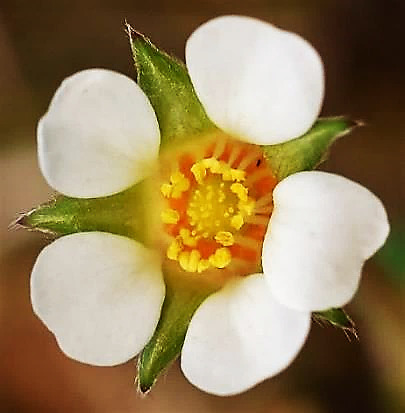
176, 177
240, 190
221, 258
225, 238
203, 265
247, 206
199, 172
180, 184
215, 202
194, 260
187, 238
184, 258
174, 250
170, 216
189, 260
166, 190
212, 164
237, 221
238, 175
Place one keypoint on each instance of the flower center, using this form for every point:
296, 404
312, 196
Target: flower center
217, 204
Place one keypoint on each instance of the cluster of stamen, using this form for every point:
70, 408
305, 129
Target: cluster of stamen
208, 204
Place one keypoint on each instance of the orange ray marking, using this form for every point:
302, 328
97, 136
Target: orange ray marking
186, 161
264, 185
255, 165
255, 231
239, 158
244, 253
206, 247
210, 151
226, 153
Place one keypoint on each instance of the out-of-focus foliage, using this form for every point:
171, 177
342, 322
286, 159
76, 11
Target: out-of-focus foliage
392, 255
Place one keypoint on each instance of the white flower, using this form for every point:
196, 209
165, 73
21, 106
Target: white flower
101, 294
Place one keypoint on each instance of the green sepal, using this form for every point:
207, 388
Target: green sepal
338, 318
121, 214
165, 81
181, 301
308, 151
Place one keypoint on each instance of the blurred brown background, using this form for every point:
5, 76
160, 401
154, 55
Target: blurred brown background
362, 44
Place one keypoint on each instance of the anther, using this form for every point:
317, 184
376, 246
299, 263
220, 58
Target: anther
237, 221
225, 238
170, 216
174, 250
221, 258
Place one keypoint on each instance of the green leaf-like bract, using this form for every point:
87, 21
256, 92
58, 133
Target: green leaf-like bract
338, 318
181, 302
308, 151
165, 81
121, 214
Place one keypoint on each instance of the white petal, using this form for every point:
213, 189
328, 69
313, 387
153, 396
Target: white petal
240, 336
255, 81
322, 230
99, 136
100, 294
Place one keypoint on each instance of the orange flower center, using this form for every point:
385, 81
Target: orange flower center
216, 208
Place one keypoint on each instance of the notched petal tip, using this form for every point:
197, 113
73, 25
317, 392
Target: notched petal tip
256, 81
330, 226
259, 338
114, 312
99, 136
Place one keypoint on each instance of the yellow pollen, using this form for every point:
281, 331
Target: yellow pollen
170, 216
184, 258
217, 167
215, 204
176, 177
247, 206
212, 164
189, 260
187, 237
227, 175
203, 265
194, 260
221, 258
174, 250
237, 221
179, 184
240, 190
166, 190
199, 172
238, 175
225, 238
